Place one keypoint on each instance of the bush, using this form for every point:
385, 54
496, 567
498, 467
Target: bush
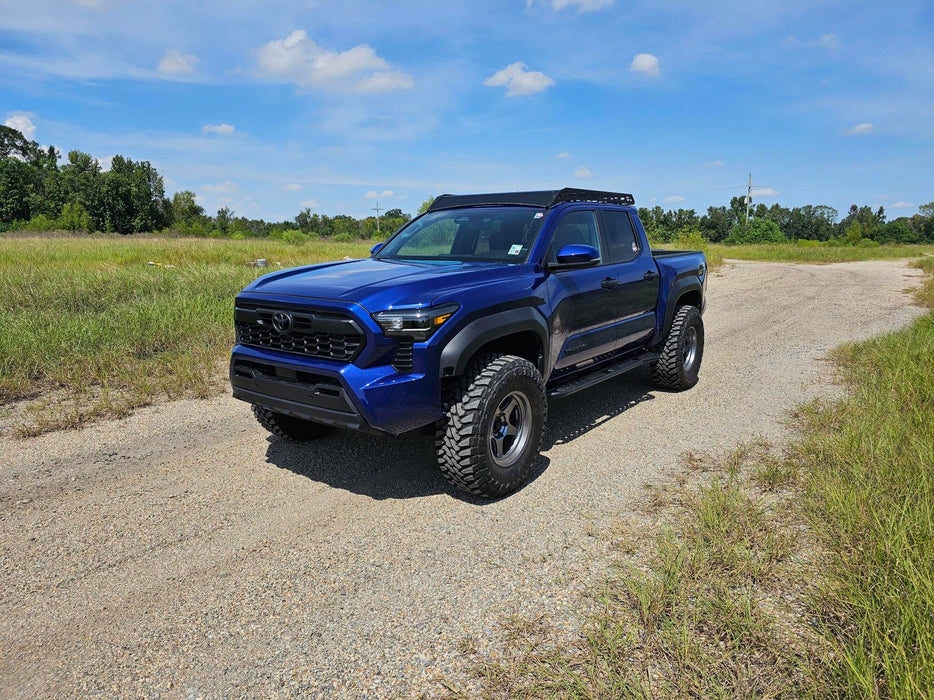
291, 236
867, 243
74, 217
758, 231
806, 243
343, 238
41, 222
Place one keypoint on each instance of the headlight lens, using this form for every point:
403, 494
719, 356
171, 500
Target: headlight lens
418, 324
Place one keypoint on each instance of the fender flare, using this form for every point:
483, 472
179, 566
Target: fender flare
465, 343
678, 289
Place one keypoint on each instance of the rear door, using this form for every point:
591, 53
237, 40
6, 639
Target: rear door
585, 301
637, 275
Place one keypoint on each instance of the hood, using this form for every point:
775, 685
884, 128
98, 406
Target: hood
381, 284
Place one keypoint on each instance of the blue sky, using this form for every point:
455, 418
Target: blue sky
271, 106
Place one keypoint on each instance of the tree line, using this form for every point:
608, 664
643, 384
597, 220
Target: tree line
778, 224
39, 193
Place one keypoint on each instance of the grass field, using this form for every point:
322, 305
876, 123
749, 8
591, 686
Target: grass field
88, 329
807, 573
786, 252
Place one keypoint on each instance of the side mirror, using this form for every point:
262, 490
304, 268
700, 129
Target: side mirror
574, 256
376, 248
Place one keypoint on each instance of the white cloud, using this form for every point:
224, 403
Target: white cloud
863, 128
674, 199
563, 154
298, 59
645, 63
829, 41
519, 81
579, 5
225, 187
385, 81
106, 162
177, 63
294, 187
713, 164
902, 205
22, 122
583, 171
221, 129
309, 203
765, 192
385, 194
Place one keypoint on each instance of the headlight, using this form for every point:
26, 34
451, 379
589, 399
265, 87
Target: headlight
418, 324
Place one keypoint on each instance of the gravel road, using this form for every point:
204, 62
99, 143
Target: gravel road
182, 552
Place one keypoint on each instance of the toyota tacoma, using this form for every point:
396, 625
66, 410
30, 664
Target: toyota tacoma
468, 320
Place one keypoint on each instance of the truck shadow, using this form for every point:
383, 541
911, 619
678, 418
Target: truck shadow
577, 415
387, 467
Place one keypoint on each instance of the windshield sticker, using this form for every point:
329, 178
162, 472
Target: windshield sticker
538, 215
515, 250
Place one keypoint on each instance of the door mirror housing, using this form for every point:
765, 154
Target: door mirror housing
376, 248
574, 256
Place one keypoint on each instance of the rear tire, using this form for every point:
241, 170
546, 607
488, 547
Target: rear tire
681, 355
289, 427
493, 430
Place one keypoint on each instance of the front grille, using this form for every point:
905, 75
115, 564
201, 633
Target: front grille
319, 334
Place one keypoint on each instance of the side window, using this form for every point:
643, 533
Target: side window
576, 227
620, 237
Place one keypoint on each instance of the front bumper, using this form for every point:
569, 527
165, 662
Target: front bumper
372, 399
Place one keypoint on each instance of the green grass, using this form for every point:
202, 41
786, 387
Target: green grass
787, 252
805, 574
88, 323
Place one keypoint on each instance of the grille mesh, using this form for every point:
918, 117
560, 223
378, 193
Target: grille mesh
326, 336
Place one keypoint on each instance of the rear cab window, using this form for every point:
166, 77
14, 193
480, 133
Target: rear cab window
622, 242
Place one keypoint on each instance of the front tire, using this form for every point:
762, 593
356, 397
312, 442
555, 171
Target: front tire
494, 425
680, 359
289, 427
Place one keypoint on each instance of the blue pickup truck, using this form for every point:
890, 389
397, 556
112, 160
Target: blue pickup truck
469, 319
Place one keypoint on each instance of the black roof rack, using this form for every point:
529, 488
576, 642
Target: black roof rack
542, 198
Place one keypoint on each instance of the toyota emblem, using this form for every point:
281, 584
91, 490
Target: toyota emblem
282, 321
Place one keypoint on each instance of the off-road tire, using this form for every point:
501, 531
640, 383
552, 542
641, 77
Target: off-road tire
464, 440
670, 372
289, 427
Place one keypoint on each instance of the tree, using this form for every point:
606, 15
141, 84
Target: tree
303, 220
222, 220
17, 180
423, 207
185, 208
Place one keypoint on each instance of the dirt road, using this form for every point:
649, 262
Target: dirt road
184, 553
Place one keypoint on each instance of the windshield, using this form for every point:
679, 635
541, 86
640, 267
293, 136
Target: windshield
483, 234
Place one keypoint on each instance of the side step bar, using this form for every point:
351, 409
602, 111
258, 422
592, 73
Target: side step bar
601, 375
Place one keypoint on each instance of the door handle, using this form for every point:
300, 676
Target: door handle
609, 284
650, 275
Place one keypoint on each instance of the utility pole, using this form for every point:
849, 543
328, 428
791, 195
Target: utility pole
748, 201
377, 210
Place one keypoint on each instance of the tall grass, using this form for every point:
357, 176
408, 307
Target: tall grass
868, 481
89, 320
